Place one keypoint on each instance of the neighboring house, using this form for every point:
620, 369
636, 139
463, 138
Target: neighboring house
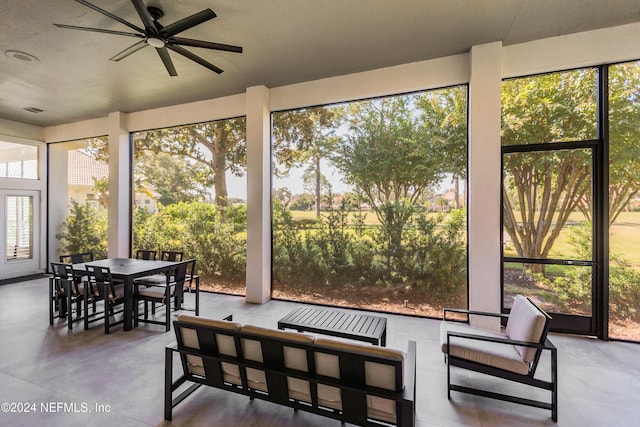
84, 170
146, 197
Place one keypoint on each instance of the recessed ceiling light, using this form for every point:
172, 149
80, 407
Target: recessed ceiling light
33, 109
21, 56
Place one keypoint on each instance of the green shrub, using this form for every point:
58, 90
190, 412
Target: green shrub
85, 230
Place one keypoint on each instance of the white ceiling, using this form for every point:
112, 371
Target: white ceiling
284, 41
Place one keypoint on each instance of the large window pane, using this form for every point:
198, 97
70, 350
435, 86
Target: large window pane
369, 203
18, 161
556, 107
79, 196
624, 204
190, 195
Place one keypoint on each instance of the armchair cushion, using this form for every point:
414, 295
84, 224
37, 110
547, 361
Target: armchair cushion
525, 323
504, 356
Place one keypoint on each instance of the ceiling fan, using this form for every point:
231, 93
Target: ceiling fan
159, 36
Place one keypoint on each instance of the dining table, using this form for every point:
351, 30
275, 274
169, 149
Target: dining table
126, 270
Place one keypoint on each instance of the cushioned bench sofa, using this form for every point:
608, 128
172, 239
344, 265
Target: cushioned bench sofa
356, 383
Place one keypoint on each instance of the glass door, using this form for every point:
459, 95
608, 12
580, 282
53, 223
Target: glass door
548, 233
20, 234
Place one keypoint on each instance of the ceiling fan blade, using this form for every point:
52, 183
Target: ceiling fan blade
128, 51
110, 15
99, 30
188, 22
184, 52
145, 16
205, 44
166, 59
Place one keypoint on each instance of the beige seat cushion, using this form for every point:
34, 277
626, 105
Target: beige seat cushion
503, 356
231, 373
299, 389
257, 379
381, 409
153, 292
525, 323
329, 396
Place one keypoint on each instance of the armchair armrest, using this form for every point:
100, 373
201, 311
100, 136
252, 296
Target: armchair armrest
410, 373
546, 346
473, 312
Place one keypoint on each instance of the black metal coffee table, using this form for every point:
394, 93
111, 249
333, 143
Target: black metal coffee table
337, 323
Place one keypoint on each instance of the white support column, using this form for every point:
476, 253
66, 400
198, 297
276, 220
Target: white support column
119, 186
58, 195
484, 180
258, 195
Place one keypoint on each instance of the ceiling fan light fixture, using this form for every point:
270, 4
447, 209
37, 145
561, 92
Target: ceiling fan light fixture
155, 42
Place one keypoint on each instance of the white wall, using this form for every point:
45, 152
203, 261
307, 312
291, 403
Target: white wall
35, 187
484, 65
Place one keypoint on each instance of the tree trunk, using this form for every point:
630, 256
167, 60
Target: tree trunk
219, 168
318, 186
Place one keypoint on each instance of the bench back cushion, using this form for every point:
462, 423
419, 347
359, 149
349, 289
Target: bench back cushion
526, 323
376, 374
224, 342
294, 358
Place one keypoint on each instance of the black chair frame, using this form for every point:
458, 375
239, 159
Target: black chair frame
528, 379
77, 258
173, 289
174, 256
190, 287
101, 283
64, 294
146, 254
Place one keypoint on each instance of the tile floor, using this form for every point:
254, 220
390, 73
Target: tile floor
86, 378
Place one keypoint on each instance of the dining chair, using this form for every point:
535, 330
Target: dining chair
192, 285
175, 256
77, 258
146, 254
64, 293
112, 295
162, 294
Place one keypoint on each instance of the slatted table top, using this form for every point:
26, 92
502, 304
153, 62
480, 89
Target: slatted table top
338, 323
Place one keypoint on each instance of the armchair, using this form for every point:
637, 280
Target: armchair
512, 354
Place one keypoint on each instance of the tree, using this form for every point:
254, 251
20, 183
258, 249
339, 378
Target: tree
283, 195
304, 138
171, 176
101, 187
219, 146
444, 120
543, 188
624, 136
548, 187
387, 158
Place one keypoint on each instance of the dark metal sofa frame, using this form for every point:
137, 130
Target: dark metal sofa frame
351, 384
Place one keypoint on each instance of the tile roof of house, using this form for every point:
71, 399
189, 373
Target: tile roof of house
83, 168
